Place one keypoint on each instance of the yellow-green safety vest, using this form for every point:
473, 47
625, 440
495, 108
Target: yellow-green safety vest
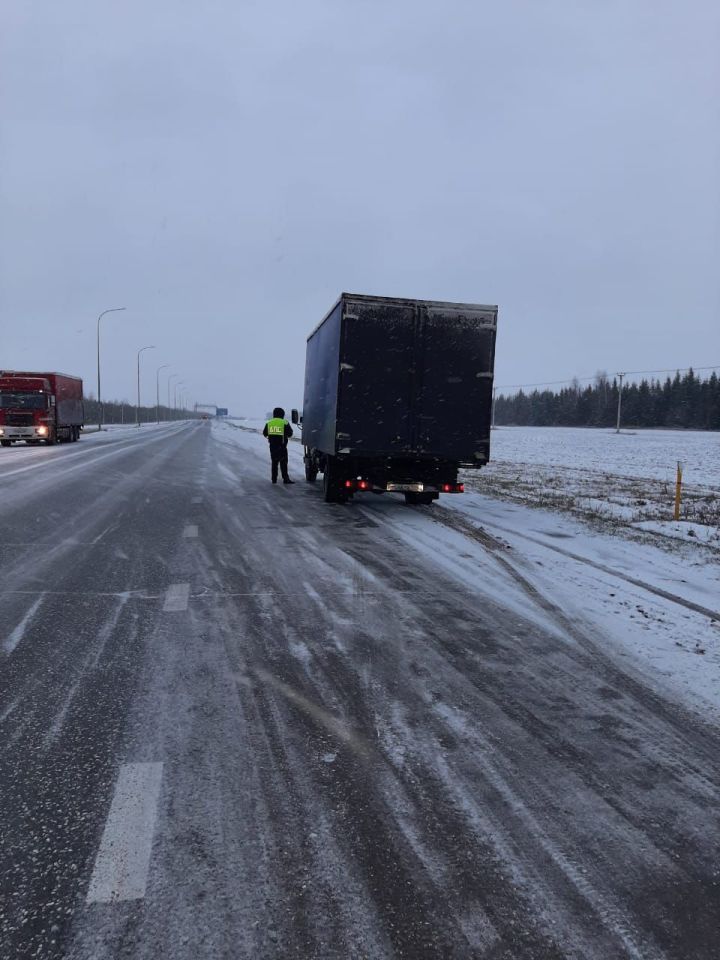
276, 427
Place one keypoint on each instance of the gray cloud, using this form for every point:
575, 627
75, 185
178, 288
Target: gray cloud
225, 169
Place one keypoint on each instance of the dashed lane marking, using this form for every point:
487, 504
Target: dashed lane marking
123, 860
177, 597
190, 531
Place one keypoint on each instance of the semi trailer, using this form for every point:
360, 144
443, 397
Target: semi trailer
398, 396
40, 407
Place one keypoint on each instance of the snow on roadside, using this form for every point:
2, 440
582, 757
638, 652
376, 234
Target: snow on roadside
672, 645
682, 530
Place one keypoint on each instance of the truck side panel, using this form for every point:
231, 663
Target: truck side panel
322, 367
68, 399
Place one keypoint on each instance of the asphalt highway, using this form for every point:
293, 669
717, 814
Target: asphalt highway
236, 722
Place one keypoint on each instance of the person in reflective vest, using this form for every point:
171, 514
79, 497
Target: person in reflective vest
278, 431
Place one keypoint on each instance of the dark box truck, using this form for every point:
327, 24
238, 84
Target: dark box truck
40, 407
398, 396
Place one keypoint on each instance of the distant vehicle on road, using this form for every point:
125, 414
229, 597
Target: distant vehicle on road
398, 396
40, 407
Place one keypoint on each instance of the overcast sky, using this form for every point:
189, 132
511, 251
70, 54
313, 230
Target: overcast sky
224, 169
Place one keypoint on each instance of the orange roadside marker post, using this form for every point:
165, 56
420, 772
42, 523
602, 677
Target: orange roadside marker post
678, 489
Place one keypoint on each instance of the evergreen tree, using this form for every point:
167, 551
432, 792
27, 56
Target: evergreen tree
686, 402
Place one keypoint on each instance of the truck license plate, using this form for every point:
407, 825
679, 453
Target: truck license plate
405, 487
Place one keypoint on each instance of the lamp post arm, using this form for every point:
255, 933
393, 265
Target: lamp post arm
99, 399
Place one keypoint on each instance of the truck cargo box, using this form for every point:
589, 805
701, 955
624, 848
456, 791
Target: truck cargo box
398, 378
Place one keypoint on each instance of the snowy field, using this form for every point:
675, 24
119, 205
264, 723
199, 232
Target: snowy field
625, 481
650, 454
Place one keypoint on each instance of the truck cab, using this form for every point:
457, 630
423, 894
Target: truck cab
39, 408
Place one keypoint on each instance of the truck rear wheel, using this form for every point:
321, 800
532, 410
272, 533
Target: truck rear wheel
311, 465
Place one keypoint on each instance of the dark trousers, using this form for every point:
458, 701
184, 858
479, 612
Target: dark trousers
279, 458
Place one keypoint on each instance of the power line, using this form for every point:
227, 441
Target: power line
545, 383
626, 373
635, 373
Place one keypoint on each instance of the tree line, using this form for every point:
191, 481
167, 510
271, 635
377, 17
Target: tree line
687, 402
115, 411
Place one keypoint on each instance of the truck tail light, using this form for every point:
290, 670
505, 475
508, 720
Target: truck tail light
453, 488
358, 485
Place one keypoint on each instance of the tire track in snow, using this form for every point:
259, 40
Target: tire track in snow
11, 642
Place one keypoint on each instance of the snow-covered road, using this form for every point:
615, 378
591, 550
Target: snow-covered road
238, 722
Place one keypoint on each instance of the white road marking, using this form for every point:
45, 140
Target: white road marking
19, 632
190, 531
177, 597
123, 860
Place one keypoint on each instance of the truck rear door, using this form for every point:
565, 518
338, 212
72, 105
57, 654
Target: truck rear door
453, 402
378, 377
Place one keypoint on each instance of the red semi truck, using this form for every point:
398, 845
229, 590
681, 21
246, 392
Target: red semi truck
40, 407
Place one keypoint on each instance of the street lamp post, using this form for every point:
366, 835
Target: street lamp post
179, 384
100, 409
137, 409
157, 390
173, 376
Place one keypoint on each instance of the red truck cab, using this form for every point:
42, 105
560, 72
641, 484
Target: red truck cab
40, 407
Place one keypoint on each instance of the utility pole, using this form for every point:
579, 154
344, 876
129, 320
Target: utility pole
492, 419
137, 409
100, 408
157, 390
617, 428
